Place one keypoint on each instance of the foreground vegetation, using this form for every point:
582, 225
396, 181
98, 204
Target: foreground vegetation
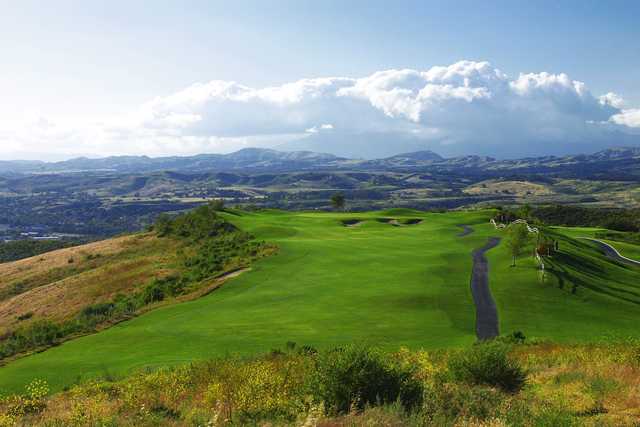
504, 382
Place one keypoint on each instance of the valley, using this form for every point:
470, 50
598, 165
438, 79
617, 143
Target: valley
85, 199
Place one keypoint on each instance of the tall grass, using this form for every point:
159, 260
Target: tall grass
356, 386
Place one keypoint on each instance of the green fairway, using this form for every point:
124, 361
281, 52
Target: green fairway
582, 296
373, 282
625, 249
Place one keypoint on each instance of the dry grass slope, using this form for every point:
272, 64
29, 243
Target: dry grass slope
58, 284
517, 188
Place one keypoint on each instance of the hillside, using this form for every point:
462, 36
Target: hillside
395, 278
57, 285
55, 296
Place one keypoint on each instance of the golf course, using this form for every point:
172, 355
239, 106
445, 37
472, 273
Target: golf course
392, 278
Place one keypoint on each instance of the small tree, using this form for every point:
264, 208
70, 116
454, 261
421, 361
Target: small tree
525, 211
162, 226
517, 240
337, 201
217, 204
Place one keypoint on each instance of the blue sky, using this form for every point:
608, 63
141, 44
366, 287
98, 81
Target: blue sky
80, 64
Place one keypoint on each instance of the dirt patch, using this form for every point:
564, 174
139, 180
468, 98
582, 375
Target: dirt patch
216, 283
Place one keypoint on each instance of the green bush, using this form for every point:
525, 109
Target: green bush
159, 289
198, 224
36, 334
97, 312
488, 364
358, 377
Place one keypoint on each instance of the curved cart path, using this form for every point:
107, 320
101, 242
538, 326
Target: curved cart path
465, 230
486, 311
612, 252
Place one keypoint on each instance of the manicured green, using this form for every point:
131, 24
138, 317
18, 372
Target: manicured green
332, 284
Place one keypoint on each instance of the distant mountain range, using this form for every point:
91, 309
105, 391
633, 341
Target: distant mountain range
615, 161
248, 158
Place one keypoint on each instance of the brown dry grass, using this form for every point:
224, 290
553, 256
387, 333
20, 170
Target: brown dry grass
55, 289
29, 267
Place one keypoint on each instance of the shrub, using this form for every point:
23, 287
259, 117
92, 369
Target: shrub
37, 334
359, 376
516, 337
309, 350
488, 364
97, 311
25, 316
445, 403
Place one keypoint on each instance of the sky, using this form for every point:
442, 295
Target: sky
357, 78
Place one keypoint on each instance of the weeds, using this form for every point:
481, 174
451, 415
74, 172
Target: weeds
356, 386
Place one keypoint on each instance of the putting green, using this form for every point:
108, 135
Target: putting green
330, 284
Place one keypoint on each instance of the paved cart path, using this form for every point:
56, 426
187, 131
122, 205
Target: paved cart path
486, 311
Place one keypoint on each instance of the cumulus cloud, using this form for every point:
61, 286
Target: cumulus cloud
630, 118
470, 106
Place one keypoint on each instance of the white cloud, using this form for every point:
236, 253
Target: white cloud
630, 118
612, 99
469, 105
316, 129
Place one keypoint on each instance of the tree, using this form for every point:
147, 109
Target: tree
525, 211
217, 204
518, 237
162, 226
337, 201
